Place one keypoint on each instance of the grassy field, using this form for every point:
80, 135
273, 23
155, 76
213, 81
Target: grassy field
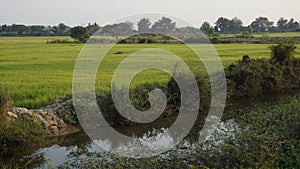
36, 73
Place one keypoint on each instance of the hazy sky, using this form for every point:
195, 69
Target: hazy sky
78, 12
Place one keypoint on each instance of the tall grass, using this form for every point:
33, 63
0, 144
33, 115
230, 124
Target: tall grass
4, 103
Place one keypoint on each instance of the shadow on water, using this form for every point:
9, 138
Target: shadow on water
52, 152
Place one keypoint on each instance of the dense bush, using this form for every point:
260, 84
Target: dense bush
62, 41
248, 78
139, 98
283, 53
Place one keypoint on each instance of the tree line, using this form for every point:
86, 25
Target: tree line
163, 25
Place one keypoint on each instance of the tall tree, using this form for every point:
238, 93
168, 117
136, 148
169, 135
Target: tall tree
235, 25
144, 25
36, 28
187, 29
211, 31
205, 27
4, 28
282, 24
250, 30
20, 29
261, 24
92, 28
80, 33
118, 29
164, 25
292, 25
223, 24
63, 28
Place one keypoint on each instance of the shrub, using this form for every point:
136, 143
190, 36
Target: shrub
214, 40
246, 59
248, 78
139, 97
283, 53
61, 41
266, 36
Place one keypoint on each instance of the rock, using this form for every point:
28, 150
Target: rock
21, 113
58, 101
54, 131
68, 97
12, 115
56, 119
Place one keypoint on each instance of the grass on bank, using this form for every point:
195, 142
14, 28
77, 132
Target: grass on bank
14, 133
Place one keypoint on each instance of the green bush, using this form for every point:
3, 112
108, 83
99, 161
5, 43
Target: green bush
248, 78
62, 41
139, 98
283, 53
266, 36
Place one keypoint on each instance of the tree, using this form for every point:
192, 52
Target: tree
80, 33
118, 29
93, 28
235, 25
36, 28
62, 28
283, 53
187, 29
223, 25
211, 31
4, 28
144, 25
205, 27
261, 24
250, 30
282, 24
292, 25
20, 29
164, 25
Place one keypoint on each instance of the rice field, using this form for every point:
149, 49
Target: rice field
35, 73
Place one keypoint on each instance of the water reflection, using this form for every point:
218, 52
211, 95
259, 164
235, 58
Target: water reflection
79, 146
57, 150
